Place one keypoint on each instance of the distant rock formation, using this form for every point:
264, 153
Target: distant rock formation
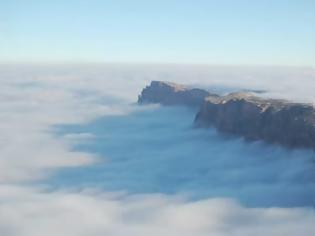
167, 93
254, 118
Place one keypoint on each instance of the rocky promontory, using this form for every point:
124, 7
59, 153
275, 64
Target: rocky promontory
254, 118
167, 93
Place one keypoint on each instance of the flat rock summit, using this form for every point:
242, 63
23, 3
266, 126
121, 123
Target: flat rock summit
242, 113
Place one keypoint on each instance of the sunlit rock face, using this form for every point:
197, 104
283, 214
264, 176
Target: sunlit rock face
271, 120
167, 93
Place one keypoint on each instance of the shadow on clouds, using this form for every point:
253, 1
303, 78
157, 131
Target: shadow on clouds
157, 150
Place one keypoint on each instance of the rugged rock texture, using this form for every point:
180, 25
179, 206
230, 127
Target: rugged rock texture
274, 121
254, 118
167, 93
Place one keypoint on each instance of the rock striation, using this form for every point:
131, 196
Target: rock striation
254, 118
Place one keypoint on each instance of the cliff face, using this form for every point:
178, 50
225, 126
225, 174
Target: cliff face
254, 118
167, 93
274, 121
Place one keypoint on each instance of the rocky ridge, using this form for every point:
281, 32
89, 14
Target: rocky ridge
167, 93
254, 118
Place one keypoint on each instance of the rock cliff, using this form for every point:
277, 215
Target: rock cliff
254, 118
167, 93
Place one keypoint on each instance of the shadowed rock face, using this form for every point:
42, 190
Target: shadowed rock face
273, 121
254, 118
167, 93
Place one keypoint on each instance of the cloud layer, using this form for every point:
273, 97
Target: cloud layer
34, 99
33, 212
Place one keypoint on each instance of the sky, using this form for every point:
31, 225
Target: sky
241, 32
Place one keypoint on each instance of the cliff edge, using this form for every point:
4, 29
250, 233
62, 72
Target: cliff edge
254, 118
167, 93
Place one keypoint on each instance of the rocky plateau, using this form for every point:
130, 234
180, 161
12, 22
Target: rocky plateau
243, 114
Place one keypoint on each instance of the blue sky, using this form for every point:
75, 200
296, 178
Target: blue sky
260, 32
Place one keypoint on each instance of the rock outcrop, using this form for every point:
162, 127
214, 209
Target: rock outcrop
274, 121
167, 93
254, 118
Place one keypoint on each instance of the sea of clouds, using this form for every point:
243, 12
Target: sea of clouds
79, 157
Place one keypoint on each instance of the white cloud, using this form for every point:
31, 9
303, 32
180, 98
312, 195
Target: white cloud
32, 212
31, 102
33, 99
